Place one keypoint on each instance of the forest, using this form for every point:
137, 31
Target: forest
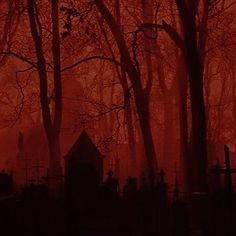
151, 81
118, 117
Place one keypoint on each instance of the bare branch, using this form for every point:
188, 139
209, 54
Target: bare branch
22, 58
90, 59
173, 34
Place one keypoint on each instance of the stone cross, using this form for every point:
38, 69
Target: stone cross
37, 167
26, 168
227, 170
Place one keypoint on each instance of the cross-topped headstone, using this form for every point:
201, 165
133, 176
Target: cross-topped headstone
227, 170
53, 177
37, 167
26, 169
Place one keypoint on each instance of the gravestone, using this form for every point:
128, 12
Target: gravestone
224, 203
227, 170
6, 184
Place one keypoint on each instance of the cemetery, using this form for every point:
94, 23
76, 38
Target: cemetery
89, 205
118, 118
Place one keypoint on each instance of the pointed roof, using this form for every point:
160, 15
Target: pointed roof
84, 146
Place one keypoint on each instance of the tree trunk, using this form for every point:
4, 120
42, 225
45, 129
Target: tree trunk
139, 93
56, 152
129, 125
52, 128
198, 120
195, 69
128, 107
169, 148
168, 106
183, 123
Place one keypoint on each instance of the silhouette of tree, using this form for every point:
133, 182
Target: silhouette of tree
140, 93
51, 122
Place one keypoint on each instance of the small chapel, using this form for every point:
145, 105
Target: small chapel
83, 164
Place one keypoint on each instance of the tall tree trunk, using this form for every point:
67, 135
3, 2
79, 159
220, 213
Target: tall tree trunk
139, 94
52, 127
36, 29
207, 90
130, 127
183, 123
128, 107
149, 42
169, 151
57, 91
199, 135
169, 147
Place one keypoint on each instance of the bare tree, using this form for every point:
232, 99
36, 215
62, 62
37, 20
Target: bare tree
51, 122
140, 94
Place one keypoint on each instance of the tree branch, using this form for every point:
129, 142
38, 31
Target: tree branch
173, 34
22, 58
90, 59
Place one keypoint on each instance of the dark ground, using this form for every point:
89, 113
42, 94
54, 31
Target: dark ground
140, 213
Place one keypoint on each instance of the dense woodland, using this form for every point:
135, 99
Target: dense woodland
152, 82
